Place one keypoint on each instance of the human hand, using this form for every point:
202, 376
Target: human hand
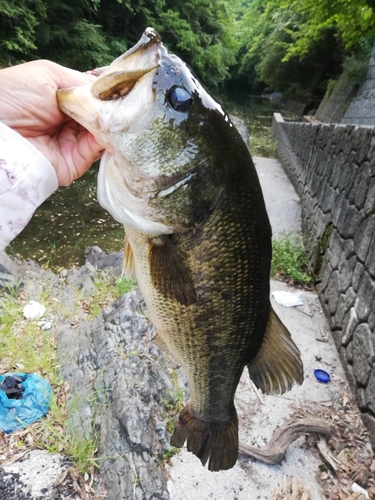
28, 105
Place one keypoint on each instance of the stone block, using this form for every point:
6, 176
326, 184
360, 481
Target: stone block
370, 200
336, 335
336, 211
335, 245
349, 248
350, 323
369, 420
370, 391
328, 198
346, 269
371, 321
349, 220
361, 399
361, 186
357, 275
364, 236
370, 259
366, 297
326, 274
363, 354
351, 378
337, 170
338, 317
332, 292
315, 184
348, 353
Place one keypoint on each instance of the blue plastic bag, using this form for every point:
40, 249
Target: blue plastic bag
33, 405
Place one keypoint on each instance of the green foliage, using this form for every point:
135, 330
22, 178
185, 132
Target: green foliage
297, 46
18, 20
174, 403
352, 21
83, 34
355, 69
201, 33
124, 286
107, 288
289, 259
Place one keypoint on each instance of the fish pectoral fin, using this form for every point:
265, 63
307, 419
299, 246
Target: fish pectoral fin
128, 265
278, 365
215, 442
169, 274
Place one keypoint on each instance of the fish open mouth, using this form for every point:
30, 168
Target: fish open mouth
114, 82
118, 79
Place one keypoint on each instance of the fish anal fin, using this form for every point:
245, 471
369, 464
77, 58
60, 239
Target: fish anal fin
128, 265
169, 274
212, 442
278, 365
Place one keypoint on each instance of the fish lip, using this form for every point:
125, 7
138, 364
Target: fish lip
149, 37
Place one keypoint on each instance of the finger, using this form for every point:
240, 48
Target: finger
79, 149
66, 77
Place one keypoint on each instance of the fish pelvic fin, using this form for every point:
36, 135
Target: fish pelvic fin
212, 442
278, 365
169, 275
128, 265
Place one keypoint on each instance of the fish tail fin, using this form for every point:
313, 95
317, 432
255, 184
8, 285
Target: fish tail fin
278, 365
215, 442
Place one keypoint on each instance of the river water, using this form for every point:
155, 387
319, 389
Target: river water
72, 219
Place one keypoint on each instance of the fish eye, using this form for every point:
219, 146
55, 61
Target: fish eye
180, 99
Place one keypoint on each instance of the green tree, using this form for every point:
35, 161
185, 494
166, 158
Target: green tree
69, 33
298, 45
201, 33
353, 22
18, 20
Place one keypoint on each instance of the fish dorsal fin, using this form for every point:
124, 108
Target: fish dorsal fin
278, 365
128, 266
169, 275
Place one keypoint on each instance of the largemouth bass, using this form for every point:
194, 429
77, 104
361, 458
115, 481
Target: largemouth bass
179, 177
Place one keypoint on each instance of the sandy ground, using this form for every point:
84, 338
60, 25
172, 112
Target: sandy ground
260, 415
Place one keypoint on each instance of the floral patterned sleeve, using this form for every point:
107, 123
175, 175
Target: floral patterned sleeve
26, 179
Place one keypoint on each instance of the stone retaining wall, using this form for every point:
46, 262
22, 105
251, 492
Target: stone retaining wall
362, 108
349, 103
332, 167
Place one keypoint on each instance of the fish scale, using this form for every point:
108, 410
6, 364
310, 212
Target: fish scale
223, 316
179, 177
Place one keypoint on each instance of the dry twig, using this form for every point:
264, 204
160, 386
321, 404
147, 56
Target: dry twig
274, 451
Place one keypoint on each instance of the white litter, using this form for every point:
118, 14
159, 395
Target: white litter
33, 310
45, 325
288, 299
358, 489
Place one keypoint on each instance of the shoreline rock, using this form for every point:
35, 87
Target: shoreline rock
119, 382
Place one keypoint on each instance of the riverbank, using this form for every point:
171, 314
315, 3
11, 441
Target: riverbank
119, 395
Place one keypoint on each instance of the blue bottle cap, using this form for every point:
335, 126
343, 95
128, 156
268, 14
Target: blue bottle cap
322, 376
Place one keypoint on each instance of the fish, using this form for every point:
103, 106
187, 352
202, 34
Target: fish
179, 177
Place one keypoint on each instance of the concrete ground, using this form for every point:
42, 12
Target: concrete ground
260, 415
